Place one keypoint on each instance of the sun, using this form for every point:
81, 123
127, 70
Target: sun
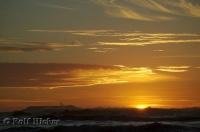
141, 106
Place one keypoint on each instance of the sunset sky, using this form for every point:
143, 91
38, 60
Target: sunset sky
99, 53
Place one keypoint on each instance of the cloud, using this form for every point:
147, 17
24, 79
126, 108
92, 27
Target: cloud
117, 9
17, 45
176, 69
143, 39
150, 10
180, 56
54, 6
143, 43
129, 38
100, 49
94, 32
88, 32
73, 75
98, 76
158, 50
121, 43
187, 8
136, 35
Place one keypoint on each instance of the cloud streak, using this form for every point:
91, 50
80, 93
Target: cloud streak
55, 6
129, 38
17, 45
143, 39
144, 43
73, 75
149, 10
87, 32
175, 69
100, 49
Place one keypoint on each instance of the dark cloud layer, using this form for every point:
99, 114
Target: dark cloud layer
78, 75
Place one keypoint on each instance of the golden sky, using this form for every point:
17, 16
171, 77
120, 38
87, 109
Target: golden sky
90, 53
24, 84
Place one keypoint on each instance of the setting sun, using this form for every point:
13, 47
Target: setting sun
141, 106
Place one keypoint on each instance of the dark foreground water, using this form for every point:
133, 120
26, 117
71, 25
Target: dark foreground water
109, 126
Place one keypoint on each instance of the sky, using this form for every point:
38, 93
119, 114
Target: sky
90, 53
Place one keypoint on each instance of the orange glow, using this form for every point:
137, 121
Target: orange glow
89, 77
142, 106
